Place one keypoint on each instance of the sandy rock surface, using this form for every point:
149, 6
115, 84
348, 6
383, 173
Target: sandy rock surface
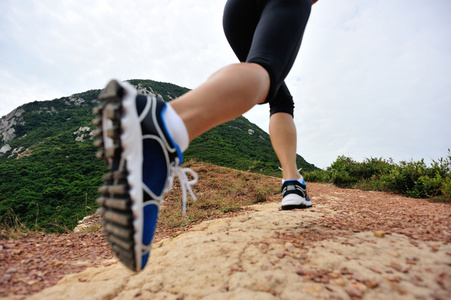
348, 246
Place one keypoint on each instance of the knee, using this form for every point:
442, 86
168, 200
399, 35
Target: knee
251, 80
281, 105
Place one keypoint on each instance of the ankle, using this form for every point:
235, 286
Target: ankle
298, 178
291, 176
175, 127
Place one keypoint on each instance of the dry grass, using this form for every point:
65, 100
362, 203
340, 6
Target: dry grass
221, 192
12, 228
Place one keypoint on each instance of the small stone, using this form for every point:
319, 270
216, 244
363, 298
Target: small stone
289, 246
300, 272
379, 233
397, 267
434, 248
354, 292
375, 271
345, 271
32, 282
180, 297
371, 283
329, 288
396, 279
361, 287
418, 278
18, 251
312, 290
340, 281
359, 277
394, 254
411, 260
325, 279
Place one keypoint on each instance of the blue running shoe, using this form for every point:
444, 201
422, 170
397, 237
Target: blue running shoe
143, 159
295, 195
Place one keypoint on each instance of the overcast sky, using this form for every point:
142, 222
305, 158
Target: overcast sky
372, 79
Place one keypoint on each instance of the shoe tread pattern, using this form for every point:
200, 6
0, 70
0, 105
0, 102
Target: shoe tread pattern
115, 200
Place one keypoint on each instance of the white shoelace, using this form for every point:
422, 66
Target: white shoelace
185, 183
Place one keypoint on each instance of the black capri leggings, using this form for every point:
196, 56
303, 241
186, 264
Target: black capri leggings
269, 33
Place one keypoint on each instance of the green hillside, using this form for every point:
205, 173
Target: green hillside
49, 172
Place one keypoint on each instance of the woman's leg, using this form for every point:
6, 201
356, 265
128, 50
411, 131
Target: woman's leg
282, 131
270, 33
234, 89
271, 40
226, 95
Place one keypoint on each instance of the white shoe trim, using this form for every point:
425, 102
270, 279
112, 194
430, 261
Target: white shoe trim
293, 199
131, 140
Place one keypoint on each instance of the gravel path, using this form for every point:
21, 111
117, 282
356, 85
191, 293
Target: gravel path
350, 245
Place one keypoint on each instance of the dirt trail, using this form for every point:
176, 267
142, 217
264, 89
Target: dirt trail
351, 245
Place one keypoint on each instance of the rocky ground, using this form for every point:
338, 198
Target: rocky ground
350, 245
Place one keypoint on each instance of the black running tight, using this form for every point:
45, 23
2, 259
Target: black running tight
269, 33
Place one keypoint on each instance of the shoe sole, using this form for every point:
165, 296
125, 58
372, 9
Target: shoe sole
298, 206
290, 206
120, 145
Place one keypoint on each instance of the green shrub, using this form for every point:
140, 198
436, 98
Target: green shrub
343, 178
446, 188
341, 170
412, 179
426, 187
317, 176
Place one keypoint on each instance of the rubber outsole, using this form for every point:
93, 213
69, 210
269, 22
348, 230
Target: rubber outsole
297, 206
290, 207
115, 201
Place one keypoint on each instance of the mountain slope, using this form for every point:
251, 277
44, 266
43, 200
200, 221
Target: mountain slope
50, 173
